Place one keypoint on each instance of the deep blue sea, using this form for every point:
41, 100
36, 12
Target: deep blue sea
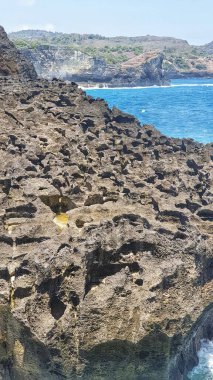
184, 109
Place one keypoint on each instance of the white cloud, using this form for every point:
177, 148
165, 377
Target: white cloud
27, 3
48, 27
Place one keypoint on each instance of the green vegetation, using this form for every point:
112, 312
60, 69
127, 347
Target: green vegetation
181, 63
116, 50
20, 44
167, 65
111, 54
200, 66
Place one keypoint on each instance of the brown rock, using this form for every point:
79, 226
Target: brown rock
106, 260
12, 63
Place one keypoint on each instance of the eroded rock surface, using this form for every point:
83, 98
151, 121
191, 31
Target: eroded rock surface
106, 239
73, 65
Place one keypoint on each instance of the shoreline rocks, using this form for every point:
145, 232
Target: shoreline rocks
105, 238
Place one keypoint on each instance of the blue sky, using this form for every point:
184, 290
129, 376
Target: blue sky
188, 19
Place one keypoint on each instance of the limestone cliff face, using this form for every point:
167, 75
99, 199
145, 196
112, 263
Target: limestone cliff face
73, 65
60, 55
50, 61
105, 239
12, 63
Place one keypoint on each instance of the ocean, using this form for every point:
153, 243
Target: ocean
184, 109
204, 370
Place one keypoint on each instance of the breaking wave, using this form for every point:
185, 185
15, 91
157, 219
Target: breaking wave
204, 369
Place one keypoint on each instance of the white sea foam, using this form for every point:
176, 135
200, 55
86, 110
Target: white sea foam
192, 85
204, 369
152, 87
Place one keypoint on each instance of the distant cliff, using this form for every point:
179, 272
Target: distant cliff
198, 64
73, 65
118, 61
208, 48
12, 62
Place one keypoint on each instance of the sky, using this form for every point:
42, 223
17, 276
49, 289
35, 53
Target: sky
191, 20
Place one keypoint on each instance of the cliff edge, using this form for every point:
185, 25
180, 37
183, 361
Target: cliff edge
98, 60
12, 62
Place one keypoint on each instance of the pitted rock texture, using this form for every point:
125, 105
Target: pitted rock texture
12, 62
106, 239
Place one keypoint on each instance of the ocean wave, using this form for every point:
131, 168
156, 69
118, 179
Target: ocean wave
204, 369
148, 87
192, 85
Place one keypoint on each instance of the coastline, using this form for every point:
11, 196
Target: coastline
185, 102
144, 87
172, 84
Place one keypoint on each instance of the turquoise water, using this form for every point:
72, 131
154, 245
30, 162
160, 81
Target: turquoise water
184, 109
204, 370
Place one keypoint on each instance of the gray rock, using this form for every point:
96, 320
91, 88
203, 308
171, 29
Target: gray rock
105, 240
73, 65
12, 62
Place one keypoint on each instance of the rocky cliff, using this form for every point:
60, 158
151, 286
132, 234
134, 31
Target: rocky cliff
105, 237
73, 65
12, 62
94, 59
188, 66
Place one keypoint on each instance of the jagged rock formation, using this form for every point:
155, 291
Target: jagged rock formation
12, 63
106, 241
73, 65
57, 62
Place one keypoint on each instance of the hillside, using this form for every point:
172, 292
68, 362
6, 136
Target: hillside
207, 49
111, 49
52, 38
93, 59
